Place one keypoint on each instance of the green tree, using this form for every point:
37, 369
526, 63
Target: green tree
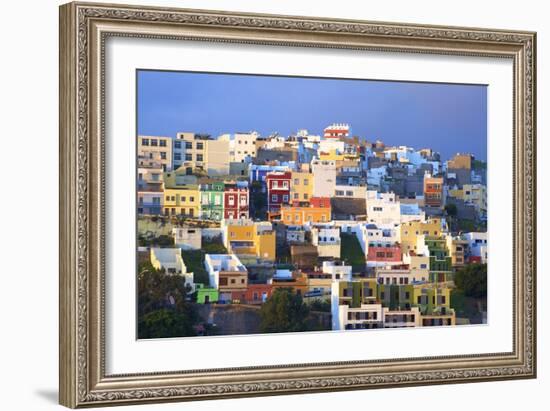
284, 311
451, 210
165, 323
472, 280
163, 310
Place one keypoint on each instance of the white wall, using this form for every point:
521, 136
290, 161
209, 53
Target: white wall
29, 341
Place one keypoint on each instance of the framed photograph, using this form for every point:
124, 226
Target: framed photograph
261, 204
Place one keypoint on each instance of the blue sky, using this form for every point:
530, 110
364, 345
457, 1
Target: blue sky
448, 118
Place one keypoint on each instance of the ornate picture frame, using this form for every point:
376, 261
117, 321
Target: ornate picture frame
84, 28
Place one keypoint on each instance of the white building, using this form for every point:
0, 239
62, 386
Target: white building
350, 191
366, 316
332, 145
295, 234
327, 241
383, 209
338, 271
411, 212
376, 175
223, 265
367, 233
243, 147
400, 275
402, 318
477, 245
187, 238
170, 260
324, 177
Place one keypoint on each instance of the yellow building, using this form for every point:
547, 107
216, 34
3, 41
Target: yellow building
301, 186
331, 155
457, 249
475, 194
316, 211
184, 200
412, 229
246, 237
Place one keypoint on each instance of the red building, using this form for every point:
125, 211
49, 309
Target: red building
236, 200
254, 294
278, 190
383, 255
337, 131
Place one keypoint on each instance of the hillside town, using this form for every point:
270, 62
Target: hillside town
356, 234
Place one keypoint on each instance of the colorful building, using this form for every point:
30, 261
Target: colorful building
409, 232
440, 259
278, 190
227, 274
254, 294
236, 200
301, 187
206, 295
212, 200
246, 237
433, 191
182, 201
317, 210
383, 255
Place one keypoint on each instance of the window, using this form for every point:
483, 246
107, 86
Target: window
177, 156
377, 209
188, 145
223, 281
323, 218
296, 181
154, 142
200, 157
349, 193
145, 142
285, 198
231, 200
183, 198
285, 184
163, 155
167, 198
200, 146
162, 143
306, 196
274, 198
297, 217
244, 200
177, 144
296, 196
188, 157
192, 199
306, 181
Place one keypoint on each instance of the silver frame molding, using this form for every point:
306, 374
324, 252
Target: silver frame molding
84, 27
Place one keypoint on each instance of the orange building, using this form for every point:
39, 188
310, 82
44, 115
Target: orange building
298, 283
433, 191
317, 210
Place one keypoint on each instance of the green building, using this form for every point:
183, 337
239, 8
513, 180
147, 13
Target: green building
211, 195
441, 266
206, 295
